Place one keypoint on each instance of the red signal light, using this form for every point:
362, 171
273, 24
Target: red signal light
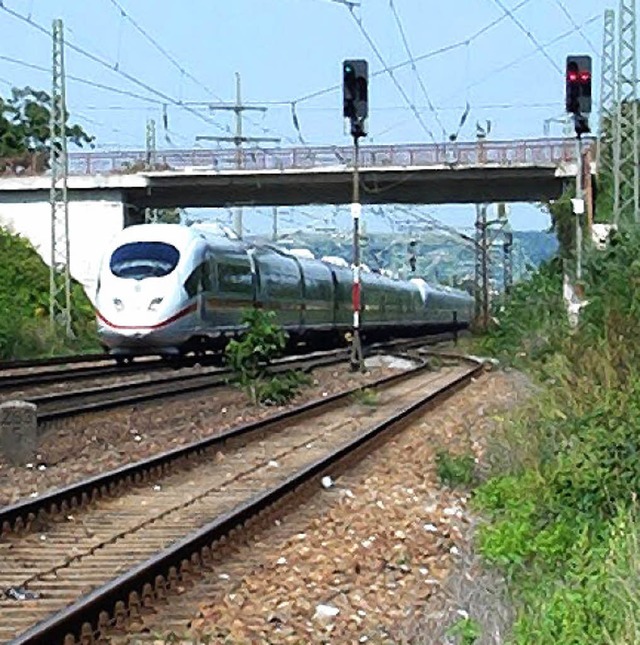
585, 77
572, 77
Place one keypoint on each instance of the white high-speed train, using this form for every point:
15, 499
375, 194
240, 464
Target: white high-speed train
170, 289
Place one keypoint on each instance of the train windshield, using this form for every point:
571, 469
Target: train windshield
139, 260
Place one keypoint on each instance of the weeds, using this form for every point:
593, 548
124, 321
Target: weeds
366, 396
455, 470
561, 502
249, 357
466, 630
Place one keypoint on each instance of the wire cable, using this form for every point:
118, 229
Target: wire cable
105, 64
84, 81
402, 91
405, 41
421, 57
529, 35
520, 59
570, 18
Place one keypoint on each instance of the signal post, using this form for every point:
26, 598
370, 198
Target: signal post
355, 77
578, 103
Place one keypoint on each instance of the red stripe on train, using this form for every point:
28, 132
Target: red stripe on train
183, 312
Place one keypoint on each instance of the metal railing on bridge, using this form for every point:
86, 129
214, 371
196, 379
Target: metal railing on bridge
526, 152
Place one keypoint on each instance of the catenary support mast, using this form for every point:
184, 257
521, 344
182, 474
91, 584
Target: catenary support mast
59, 275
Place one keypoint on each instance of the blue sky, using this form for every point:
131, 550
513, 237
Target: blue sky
504, 58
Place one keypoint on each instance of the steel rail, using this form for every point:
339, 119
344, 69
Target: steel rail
83, 616
20, 514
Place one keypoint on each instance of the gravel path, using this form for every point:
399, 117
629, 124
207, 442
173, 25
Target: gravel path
380, 557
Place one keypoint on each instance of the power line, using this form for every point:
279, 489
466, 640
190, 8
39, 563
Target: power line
84, 81
402, 91
414, 67
529, 35
520, 59
105, 64
421, 57
160, 48
184, 72
577, 27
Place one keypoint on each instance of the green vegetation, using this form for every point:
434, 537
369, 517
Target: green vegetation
455, 470
24, 306
466, 630
250, 357
562, 499
25, 131
366, 396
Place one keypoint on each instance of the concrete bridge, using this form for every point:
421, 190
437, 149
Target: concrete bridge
110, 190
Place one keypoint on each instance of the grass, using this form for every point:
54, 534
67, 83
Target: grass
560, 502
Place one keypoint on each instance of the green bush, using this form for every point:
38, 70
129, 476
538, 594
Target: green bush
250, 356
25, 330
561, 502
455, 470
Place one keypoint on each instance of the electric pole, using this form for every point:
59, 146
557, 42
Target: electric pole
238, 108
606, 129
507, 261
59, 275
150, 214
626, 171
481, 287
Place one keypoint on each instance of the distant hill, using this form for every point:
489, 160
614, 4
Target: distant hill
440, 257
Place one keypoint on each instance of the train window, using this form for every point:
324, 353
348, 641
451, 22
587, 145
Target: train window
197, 277
235, 278
139, 260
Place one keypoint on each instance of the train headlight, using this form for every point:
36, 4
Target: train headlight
117, 303
153, 305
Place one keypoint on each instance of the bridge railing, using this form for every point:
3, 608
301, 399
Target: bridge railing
506, 153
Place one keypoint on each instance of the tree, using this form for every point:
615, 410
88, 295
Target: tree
25, 132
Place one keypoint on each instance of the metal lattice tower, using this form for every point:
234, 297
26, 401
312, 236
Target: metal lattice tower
626, 174
604, 153
151, 214
59, 275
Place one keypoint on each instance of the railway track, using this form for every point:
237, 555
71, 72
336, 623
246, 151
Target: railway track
20, 375
60, 552
67, 403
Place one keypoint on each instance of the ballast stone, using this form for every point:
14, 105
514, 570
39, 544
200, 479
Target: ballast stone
18, 431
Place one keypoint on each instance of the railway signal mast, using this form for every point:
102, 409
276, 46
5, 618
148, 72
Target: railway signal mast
355, 94
578, 103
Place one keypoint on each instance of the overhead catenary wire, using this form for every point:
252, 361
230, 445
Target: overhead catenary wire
184, 73
84, 81
520, 59
420, 57
414, 67
528, 34
389, 71
577, 27
96, 59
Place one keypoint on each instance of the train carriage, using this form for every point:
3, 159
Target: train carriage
171, 289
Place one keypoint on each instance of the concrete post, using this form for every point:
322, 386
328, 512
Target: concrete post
18, 431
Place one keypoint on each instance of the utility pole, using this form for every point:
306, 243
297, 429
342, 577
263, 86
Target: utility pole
481, 287
274, 233
626, 167
59, 273
606, 128
507, 261
238, 108
150, 214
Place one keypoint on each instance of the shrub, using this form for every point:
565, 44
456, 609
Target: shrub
250, 356
455, 470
